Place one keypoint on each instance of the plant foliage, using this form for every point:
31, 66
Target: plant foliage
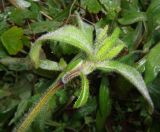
87, 65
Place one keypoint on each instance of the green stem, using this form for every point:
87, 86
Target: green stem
37, 108
62, 79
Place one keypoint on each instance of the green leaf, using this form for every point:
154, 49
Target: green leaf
130, 74
104, 100
102, 34
93, 6
43, 26
83, 97
49, 65
85, 28
113, 52
154, 90
18, 16
74, 64
67, 34
35, 53
62, 63
108, 43
104, 105
153, 15
3, 52
132, 37
152, 65
3, 25
20, 111
110, 7
132, 17
11, 40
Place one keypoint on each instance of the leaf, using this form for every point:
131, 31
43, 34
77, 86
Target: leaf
83, 97
62, 63
93, 6
152, 65
3, 52
20, 111
49, 65
104, 100
130, 74
132, 37
102, 34
113, 52
111, 7
87, 109
68, 34
61, 49
43, 26
108, 43
132, 17
154, 90
18, 16
23, 4
104, 105
85, 28
74, 64
153, 15
3, 25
11, 40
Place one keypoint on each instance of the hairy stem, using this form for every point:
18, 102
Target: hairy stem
37, 108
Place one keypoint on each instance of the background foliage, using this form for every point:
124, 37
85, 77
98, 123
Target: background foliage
23, 21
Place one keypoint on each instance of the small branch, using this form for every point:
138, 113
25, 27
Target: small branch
47, 16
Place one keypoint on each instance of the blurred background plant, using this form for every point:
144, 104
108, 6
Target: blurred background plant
23, 21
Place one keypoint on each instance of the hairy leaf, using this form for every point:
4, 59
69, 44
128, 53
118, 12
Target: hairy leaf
102, 33
49, 65
113, 52
108, 43
131, 74
68, 34
85, 28
83, 97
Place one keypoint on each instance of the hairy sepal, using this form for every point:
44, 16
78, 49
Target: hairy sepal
101, 35
113, 52
108, 43
130, 74
84, 94
68, 34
